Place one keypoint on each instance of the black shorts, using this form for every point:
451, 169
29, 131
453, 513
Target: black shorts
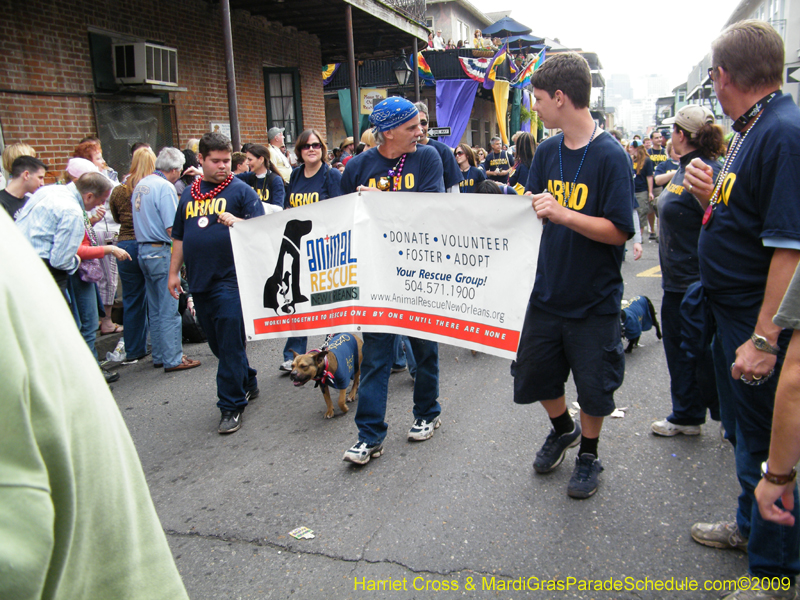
552, 346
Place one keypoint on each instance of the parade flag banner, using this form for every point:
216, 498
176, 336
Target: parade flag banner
424, 69
475, 68
454, 100
523, 78
501, 69
328, 71
456, 269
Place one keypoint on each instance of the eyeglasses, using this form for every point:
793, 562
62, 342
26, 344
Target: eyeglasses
711, 73
315, 146
459, 153
423, 123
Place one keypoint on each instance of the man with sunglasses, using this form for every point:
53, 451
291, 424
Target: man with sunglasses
748, 250
452, 173
397, 163
498, 162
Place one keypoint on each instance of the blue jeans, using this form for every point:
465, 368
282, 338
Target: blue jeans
165, 321
375, 370
83, 302
220, 314
773, 550
134, 301
692, 382
298, 344
404, 355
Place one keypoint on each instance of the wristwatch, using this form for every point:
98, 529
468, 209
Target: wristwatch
761, 343
777, 479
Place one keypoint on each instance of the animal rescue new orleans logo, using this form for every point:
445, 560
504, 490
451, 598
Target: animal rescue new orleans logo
332, 270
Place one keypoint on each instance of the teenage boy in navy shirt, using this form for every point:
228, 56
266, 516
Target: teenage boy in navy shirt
202, 239
581, 189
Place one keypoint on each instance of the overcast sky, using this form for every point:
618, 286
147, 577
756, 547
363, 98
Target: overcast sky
639, 38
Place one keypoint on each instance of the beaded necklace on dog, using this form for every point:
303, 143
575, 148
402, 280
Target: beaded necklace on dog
735, 147
195, 189
561, 166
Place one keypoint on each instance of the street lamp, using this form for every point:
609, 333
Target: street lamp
401, 70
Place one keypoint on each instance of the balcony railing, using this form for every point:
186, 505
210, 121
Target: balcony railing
411, 8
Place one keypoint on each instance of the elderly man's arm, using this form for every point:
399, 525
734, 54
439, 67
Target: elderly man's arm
69, 233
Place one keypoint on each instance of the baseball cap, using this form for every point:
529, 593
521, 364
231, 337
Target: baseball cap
691, 118
275, 131
78, 166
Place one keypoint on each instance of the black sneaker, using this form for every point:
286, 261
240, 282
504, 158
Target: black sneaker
111, 376
554, 448
231, 421
251, 394
583, 482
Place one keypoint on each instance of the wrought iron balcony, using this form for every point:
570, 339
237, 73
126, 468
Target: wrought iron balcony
411, 8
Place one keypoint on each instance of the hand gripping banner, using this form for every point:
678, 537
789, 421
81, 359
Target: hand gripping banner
456, 269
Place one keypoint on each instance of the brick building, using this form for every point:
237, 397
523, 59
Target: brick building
58, 81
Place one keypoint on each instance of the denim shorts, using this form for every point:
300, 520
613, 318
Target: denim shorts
551, 347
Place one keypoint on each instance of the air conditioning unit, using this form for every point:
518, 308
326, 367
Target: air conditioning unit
143, 62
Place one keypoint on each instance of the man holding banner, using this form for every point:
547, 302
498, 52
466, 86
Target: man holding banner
581, 189
396, 164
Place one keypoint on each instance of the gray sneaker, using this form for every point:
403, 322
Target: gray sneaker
286, 366
554, 448
757, 593
666, 428
724, 534
423, 430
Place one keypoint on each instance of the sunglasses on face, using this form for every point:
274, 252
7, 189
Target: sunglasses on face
315, 146
423, 123
459, 153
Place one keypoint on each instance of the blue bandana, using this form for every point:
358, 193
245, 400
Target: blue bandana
391, 113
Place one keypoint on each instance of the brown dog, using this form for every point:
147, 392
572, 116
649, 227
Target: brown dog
332, 366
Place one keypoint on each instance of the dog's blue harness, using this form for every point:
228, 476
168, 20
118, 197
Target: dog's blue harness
345, 348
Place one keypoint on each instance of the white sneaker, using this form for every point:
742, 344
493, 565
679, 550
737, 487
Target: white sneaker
360, 453
668, 429
286, 366
423, 430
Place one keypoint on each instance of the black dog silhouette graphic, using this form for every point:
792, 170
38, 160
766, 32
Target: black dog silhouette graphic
282, 290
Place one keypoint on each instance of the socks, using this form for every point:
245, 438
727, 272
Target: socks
563, 424
588, 445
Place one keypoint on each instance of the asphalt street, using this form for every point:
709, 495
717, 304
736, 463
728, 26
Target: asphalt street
460, 515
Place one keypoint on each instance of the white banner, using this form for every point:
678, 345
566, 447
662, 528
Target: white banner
453, 268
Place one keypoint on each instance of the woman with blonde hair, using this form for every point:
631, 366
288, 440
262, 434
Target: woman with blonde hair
134, 298
11, 153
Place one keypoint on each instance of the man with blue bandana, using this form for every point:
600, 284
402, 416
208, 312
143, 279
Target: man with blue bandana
397, 163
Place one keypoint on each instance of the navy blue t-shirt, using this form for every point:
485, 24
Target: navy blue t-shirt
520, 175
576, 276
270, 188
207, 249
759, 200
452, 172
640, 181
497, 162
658, 156
422, 171
470, 180
679, 221
326, 183
665, 167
